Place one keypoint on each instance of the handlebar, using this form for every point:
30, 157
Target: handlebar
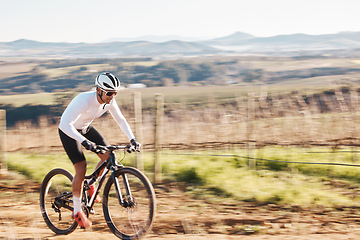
102, 149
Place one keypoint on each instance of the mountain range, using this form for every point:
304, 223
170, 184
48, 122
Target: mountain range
238, 43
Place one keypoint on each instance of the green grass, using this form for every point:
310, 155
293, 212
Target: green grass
270, 183
314, 155
206, 174
36, 166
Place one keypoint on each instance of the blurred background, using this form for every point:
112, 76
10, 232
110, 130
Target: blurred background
248, 85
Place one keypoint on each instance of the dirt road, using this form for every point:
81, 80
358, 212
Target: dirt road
180, 216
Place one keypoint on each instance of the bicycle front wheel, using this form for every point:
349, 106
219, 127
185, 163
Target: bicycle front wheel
134, 218
56, 201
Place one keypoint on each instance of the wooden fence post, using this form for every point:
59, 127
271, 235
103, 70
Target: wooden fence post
43, 134
159, 105
3, 166
138, 128
354, 104
250, 129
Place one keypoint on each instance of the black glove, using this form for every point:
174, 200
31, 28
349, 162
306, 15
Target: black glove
89, 145
136, 145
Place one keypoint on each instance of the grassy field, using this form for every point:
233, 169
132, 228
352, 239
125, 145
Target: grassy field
125, 97
226, 173
23, 99
189, 95
172, 94
211, 173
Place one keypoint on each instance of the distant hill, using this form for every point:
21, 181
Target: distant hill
235, 38
291, 42
237, 43
28, 48
29, 44
153, 38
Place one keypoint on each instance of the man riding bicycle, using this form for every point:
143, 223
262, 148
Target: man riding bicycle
75, 130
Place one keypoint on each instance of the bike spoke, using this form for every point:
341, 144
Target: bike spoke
56, 202
134, 217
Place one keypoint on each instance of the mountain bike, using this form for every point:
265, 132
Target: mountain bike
128, 200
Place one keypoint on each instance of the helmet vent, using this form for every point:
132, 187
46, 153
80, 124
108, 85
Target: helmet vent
107, 85
113, 79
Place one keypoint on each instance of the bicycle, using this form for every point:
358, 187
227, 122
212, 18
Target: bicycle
129, 201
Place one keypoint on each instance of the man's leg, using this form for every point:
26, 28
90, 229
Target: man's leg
96, 137
103, 158
74, 151
77, 184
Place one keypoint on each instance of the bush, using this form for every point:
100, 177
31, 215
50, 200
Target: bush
189, 176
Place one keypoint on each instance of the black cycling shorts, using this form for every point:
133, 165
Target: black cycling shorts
73, 148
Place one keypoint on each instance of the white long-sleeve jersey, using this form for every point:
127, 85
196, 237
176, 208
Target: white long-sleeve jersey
84, 109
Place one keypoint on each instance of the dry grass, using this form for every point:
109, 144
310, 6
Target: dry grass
15, 68
290, 119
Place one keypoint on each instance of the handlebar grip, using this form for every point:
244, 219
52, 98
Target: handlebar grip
100, 149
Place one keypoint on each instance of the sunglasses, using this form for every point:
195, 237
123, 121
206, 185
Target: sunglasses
109, 94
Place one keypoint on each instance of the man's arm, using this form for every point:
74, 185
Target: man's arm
120, 120
70, 115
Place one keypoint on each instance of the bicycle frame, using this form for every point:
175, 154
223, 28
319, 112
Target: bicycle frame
109, 165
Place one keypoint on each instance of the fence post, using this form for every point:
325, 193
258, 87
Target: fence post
43, 136
250, 129
138, 128
3, 166
354, 102
159, 105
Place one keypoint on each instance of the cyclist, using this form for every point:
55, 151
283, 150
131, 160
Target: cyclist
75, 129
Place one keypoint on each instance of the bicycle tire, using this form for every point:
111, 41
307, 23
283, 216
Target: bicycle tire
142, 213
56, 183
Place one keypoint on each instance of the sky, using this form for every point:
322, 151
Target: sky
99, 20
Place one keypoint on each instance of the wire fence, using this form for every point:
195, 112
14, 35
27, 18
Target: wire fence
248, 120
263, 159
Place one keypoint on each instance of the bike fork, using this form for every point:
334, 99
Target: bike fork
127, 186
118, 190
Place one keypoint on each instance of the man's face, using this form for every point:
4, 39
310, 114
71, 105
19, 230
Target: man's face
106, 96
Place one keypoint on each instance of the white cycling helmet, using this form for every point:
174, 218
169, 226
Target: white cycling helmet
107, 81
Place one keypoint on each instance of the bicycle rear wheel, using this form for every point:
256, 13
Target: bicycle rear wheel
56, 201
135, 218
